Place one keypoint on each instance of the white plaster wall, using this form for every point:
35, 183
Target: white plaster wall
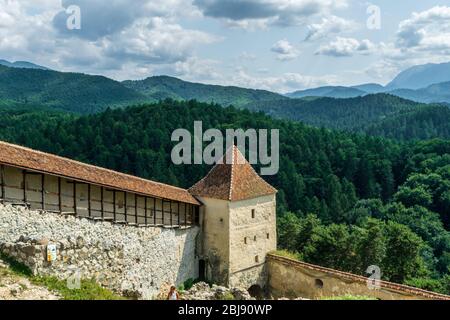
215, 233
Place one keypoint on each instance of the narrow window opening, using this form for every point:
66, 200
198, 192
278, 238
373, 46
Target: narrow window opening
253, 213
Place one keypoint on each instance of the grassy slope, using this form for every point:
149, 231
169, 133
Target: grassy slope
89, 290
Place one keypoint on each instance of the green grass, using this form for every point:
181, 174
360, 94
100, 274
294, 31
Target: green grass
89, 289
287, 254
348, 297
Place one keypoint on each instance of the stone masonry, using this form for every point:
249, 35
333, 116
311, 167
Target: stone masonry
129, 260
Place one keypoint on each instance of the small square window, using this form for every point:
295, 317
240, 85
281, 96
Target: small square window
268, 236
254, 238
253, 213
256, 259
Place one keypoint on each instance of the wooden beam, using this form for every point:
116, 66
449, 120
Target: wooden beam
75, 198
126, 209
185, 214
2, 181
154, 211
43, 191
136, 207
89, 200
59, 195
162, 210
102, 211
171, 213
24, 178
114, 205
145, 210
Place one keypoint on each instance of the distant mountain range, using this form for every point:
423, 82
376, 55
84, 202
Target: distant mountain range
162, 87
427, 83
26, 85
421, 76
357, 108
21, 64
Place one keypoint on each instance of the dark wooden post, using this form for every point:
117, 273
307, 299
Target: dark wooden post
162, 210
145, 210
185, 215
102, 210
2, 177
114, 205
136, 207
75, 198
43, 191
59, 195
126, 209
24, 177
171, 213
154, 211
89, 200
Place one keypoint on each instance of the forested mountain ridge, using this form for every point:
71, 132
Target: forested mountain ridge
345, 200
36, 88
352, 114
72, 92
162, 87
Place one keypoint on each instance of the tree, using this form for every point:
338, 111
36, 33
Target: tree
402, 260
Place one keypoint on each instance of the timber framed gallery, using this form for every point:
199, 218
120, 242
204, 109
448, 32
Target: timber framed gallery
43, 181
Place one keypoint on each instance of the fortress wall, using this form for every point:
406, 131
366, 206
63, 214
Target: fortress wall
291, 279
132, 260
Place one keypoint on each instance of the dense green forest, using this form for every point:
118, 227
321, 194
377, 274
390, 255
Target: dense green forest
74, 92
86, 94
163, 87
378, 114
345, 200
423, 123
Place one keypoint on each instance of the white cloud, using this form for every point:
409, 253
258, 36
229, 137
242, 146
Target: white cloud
134, 35
247, 56
155, 41
422, 38
346, 47
283, 83
285, 50
327, 26
425, 29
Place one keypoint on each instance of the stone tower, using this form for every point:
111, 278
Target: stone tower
238, 222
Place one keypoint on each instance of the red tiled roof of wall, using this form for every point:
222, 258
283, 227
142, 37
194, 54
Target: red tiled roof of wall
30, 159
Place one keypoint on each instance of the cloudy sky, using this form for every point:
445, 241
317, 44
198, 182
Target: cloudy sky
280, 45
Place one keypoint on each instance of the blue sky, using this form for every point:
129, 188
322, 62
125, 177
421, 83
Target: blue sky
279, 45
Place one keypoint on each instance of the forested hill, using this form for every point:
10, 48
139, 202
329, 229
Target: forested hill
162, 87
345, 201
33, 88
73, 92
378, 114
425, 122
353, 113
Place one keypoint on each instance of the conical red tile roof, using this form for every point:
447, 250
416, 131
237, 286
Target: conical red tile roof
232, 181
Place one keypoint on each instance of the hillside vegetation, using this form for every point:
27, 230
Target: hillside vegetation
73, 92
345, 200
162, 87
350, 114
